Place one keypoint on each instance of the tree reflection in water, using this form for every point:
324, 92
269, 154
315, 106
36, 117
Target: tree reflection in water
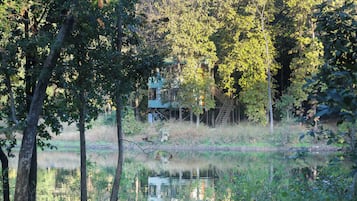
203, 176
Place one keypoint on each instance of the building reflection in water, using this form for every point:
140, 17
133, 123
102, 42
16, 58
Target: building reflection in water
193, 185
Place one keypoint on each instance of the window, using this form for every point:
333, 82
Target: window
152, 94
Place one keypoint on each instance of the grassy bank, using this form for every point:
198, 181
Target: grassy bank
184, 134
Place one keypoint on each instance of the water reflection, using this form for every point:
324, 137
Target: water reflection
196, 176
196, 184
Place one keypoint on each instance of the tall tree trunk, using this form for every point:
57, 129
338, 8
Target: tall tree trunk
5, 175
268, 62
82, 114
118, 172
29, 134
119, 41
30, 62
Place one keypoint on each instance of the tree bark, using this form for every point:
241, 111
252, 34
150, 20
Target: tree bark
29, 134
82, 114
118, 172
33, 174
5, 175
30, 62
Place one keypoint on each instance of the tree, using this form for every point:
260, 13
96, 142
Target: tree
29, 135
335, 85
76, 78
130, 62
8, 113
17, 41
193, 50
307, 55
248, 53
268, 58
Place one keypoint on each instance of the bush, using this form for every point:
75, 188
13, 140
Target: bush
129, 123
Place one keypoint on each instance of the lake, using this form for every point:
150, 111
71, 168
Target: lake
208, 176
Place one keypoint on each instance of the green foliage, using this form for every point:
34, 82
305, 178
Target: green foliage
193, 48
130, 125
306, 55
243, 40
335, 85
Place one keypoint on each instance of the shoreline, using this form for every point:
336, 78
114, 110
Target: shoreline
132, 146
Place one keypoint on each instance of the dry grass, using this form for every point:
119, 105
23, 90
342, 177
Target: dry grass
185, 133
95, 134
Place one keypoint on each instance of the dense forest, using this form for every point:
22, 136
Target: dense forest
62, 61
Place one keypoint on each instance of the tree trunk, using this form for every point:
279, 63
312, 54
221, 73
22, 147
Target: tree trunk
82, 114
118, 172
30, 84
29, 134
33, 174
119, 41
191, 116
197, 120
267, 60
137, 112
213, 118
5, 175
180, 113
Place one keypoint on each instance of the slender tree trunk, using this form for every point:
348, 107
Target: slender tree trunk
5, 175
213, 118
11, 99
137, 113
180, 113
29, 134
3, 157
118, 101
82, 114
267, 61
118, 172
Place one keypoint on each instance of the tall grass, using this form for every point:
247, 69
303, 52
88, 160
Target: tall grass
185, 133
241, 134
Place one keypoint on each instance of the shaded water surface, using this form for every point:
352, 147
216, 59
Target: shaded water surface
205, 176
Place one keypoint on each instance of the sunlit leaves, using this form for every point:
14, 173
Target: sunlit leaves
244, 52
189, 29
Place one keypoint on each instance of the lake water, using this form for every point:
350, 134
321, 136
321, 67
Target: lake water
186, 176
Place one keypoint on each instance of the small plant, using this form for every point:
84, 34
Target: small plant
130, 125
